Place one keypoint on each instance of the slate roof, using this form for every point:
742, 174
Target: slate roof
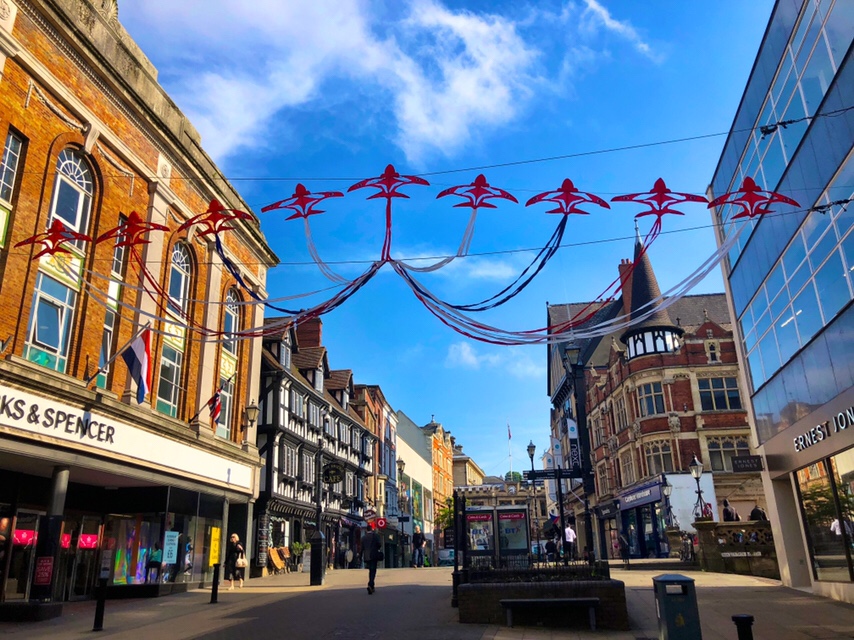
644, 290
309, 357
339, 379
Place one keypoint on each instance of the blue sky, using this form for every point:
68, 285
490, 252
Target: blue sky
329, 92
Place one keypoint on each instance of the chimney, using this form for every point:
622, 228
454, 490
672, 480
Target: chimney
310, 333
626, 282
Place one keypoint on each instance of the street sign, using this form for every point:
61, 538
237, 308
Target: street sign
553, 473
746, 463
403, 518
392, 521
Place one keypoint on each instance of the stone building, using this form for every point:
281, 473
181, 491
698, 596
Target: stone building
633, 409
89, 138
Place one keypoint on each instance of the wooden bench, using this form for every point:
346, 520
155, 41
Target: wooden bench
544, 603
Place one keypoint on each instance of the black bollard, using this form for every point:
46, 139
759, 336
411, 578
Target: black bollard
743, 624
215, 585
99, 605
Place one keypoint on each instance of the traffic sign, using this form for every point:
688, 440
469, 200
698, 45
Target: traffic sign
381, 523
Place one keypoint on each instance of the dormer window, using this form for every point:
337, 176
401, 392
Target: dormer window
318, 379
285, 354
345, 399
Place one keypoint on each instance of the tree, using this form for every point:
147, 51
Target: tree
513, 476
444, 518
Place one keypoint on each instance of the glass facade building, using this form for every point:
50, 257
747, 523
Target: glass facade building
790, 283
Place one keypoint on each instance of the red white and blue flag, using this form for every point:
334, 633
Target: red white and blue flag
137, 356
215, 404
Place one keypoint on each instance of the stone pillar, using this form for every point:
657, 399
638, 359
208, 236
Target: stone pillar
48, 545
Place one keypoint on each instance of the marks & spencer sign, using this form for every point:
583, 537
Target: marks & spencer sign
18, 409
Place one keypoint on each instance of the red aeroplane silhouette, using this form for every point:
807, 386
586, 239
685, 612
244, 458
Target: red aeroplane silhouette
131, 232
752, 200
477, 193
215, 219
567, 198
54, 239
302, 202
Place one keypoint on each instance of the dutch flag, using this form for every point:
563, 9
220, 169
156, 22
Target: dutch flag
137, 356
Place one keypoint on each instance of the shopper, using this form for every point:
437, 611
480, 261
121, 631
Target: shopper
235, 561
371, 554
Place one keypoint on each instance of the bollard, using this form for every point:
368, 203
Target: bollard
743, 624
215, 585
99, 605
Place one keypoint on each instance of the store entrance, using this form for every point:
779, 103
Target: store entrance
84, 535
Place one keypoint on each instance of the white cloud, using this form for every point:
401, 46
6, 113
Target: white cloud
447, 76
622, 28
515, 361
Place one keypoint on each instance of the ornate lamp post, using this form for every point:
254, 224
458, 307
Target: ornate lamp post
401, 503
532, 449
696, 468
667, 490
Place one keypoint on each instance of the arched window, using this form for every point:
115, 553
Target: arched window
179, 280
72, 192
231, 322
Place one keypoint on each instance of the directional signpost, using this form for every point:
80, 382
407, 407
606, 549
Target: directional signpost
557, 474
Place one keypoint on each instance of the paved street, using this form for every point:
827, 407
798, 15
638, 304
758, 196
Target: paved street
415, 603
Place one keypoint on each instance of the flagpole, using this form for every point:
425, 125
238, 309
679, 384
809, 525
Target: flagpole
510, 450
219, 388
118, 353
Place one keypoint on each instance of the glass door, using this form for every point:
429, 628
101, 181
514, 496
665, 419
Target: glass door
24, 533
85, 544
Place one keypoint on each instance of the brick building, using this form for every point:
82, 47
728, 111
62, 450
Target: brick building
633, 408
89, 138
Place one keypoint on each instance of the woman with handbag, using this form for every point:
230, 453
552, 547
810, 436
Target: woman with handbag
235, 561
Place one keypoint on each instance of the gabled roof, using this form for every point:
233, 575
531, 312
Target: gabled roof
309, 358
339, 379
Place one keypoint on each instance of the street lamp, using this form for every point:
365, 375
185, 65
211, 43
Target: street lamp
532, 449
251, 414
318, 561
667, 490
696, 468
401, 465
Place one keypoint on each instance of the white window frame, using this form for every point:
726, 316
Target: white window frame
47, 292
12, 151
231, 322
226, 398
73, 173
723, 449
169, 402
179, 279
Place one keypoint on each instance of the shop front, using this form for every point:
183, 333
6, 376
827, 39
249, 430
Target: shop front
609, 534
642, 521
106, 490
814, 460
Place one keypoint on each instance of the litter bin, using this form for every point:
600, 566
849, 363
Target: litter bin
676, 607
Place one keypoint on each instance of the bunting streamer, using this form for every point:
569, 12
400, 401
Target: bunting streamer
749, 201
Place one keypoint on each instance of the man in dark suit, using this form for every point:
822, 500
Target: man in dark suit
371, 554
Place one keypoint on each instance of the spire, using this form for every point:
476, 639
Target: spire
644, 290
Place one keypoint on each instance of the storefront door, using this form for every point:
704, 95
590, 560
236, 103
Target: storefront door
84, 570
24, 534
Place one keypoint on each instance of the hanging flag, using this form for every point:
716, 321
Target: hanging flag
553, 518
137, 356
214, 405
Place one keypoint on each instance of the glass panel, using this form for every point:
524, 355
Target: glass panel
48, 321
9, 166
817, 77
842, 468
839, 27
807, 314
832, 286
67, 203
787, 335
770, 355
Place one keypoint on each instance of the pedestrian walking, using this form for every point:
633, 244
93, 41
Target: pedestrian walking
418, 544
235, 561
551, 551
372, 554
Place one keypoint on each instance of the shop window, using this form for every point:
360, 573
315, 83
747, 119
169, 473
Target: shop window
659, 458
51, 320
723, 450
168, 390
72, 193
179, 280
719, 394
231, 322
829, 530
226, 398
651, 399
